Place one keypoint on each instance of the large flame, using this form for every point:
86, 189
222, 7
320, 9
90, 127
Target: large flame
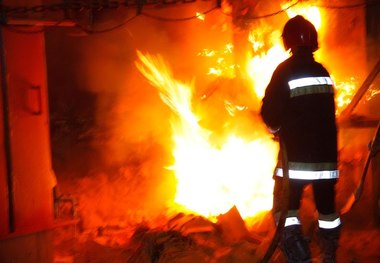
211, 178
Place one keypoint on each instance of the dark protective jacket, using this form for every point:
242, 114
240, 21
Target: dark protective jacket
299, 103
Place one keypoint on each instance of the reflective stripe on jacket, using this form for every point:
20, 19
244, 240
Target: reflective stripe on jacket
299, 101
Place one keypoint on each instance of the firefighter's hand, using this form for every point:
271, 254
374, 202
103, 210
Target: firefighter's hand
275, 133
276, 137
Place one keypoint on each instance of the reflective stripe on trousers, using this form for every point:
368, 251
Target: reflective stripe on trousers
309, 175
291, 221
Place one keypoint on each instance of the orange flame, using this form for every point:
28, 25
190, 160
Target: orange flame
344, 93
211, 179
200, 16
261, 66
223, 67
311, 13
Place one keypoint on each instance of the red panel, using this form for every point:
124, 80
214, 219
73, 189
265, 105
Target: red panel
4, 227
32, 176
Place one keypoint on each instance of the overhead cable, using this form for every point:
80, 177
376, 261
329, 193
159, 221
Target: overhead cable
92, 31
139, 4
165, 19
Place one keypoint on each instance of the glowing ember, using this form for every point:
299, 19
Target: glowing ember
222, 60
200, 16
344, 93
211, 179
372, 92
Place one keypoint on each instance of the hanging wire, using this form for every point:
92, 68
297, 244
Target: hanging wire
17, 29
91, 31
164, 19
6, 10
22, 31
267, 15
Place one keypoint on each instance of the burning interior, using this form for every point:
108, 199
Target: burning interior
177, 126
155, 126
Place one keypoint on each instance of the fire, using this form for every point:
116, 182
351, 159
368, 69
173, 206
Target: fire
237, 171
311, 13
223, 66
200, 16
260, 67
211, 179
344, 93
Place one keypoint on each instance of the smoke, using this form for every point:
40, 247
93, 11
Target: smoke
111, 134
128, 109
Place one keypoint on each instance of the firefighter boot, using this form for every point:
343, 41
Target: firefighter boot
294, 245
328, 241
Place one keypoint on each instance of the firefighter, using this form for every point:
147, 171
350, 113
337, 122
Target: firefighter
299, 107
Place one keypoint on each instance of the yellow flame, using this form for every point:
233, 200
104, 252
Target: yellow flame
211, 179
311, 13
260, 67
268, 55
344, 91
223, 67
372, 92
200, 16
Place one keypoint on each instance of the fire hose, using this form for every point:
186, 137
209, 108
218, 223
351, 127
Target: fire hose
285, 191
354, 197
284, 207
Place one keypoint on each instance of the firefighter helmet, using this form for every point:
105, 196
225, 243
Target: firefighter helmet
299, 32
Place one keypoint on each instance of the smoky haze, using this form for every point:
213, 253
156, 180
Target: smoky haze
110, 131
